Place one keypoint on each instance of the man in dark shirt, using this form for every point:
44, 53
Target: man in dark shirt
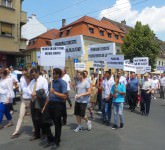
56, 106
132, 88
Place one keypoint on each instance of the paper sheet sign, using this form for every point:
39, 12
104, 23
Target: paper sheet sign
53, 56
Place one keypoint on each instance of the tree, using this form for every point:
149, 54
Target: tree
141, 42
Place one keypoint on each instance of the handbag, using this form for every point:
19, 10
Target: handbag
40, 100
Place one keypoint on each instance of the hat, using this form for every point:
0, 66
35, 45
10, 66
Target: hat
99, 72
155, 76
146, 75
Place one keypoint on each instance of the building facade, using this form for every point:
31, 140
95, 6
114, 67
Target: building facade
36, 43
93, 31
11, 43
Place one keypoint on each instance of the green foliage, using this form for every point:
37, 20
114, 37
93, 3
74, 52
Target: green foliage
141, 42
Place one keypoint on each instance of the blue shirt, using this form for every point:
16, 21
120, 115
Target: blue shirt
59, 86
121, 88
133, 85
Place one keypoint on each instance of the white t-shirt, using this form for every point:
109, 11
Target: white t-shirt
155, 83
123, 80
107, 85
162, 81
67, 79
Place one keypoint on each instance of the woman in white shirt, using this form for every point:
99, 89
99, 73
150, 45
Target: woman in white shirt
27, 86
6, 93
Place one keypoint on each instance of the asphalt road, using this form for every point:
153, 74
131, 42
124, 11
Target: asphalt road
139, 133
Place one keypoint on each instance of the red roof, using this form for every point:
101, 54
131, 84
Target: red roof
43, 39
95, 22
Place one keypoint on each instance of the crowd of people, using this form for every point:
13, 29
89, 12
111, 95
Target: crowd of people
44, 97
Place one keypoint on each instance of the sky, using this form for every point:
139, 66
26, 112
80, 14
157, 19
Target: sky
51, 12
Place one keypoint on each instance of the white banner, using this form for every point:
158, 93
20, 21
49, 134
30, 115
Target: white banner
115, 61
53, 56
160, 68
74, 45
148, 68
143, 69
38, 55
127, 61
141, 61
80, 66
98, 64
129, 67
99, 52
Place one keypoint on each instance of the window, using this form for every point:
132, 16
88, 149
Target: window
109, 35
47, 42
7, 3
118, 51
91, 30
122, 37
101, 33
67, 32
61, 34
116, 37
6, 29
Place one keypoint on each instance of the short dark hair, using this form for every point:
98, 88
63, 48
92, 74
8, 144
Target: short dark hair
109, 72
34, 70
5, 73
57, 71
82, 73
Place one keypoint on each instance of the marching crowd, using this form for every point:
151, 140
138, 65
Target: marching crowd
44, 97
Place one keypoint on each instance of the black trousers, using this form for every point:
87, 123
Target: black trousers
145, 102
132, 96
37, 121
55, 110
99, 99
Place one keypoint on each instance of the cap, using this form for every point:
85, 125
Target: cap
146, 75
99, 72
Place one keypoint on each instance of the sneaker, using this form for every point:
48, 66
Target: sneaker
78, 129
99, 112
114, 127
121, 125
89, 124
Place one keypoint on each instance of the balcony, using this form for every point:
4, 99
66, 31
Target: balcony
23, 18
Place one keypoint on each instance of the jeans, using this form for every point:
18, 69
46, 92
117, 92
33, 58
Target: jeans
107, 109
118, 110
4, 110
162, 91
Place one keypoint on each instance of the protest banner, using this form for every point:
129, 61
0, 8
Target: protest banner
141, 61
143, 69
98, 64
80, 66
115, 61
160, 68
129, 67
99, 52
127, 61
74, 45
53, 56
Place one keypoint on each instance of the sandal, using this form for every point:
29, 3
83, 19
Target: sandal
16, 135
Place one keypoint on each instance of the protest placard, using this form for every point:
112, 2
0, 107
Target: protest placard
53, 56
129, 67
98, 64
80, 66
74, 45
140, 61
99, 52
115, 61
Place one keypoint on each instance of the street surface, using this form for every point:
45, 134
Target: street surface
139, 133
